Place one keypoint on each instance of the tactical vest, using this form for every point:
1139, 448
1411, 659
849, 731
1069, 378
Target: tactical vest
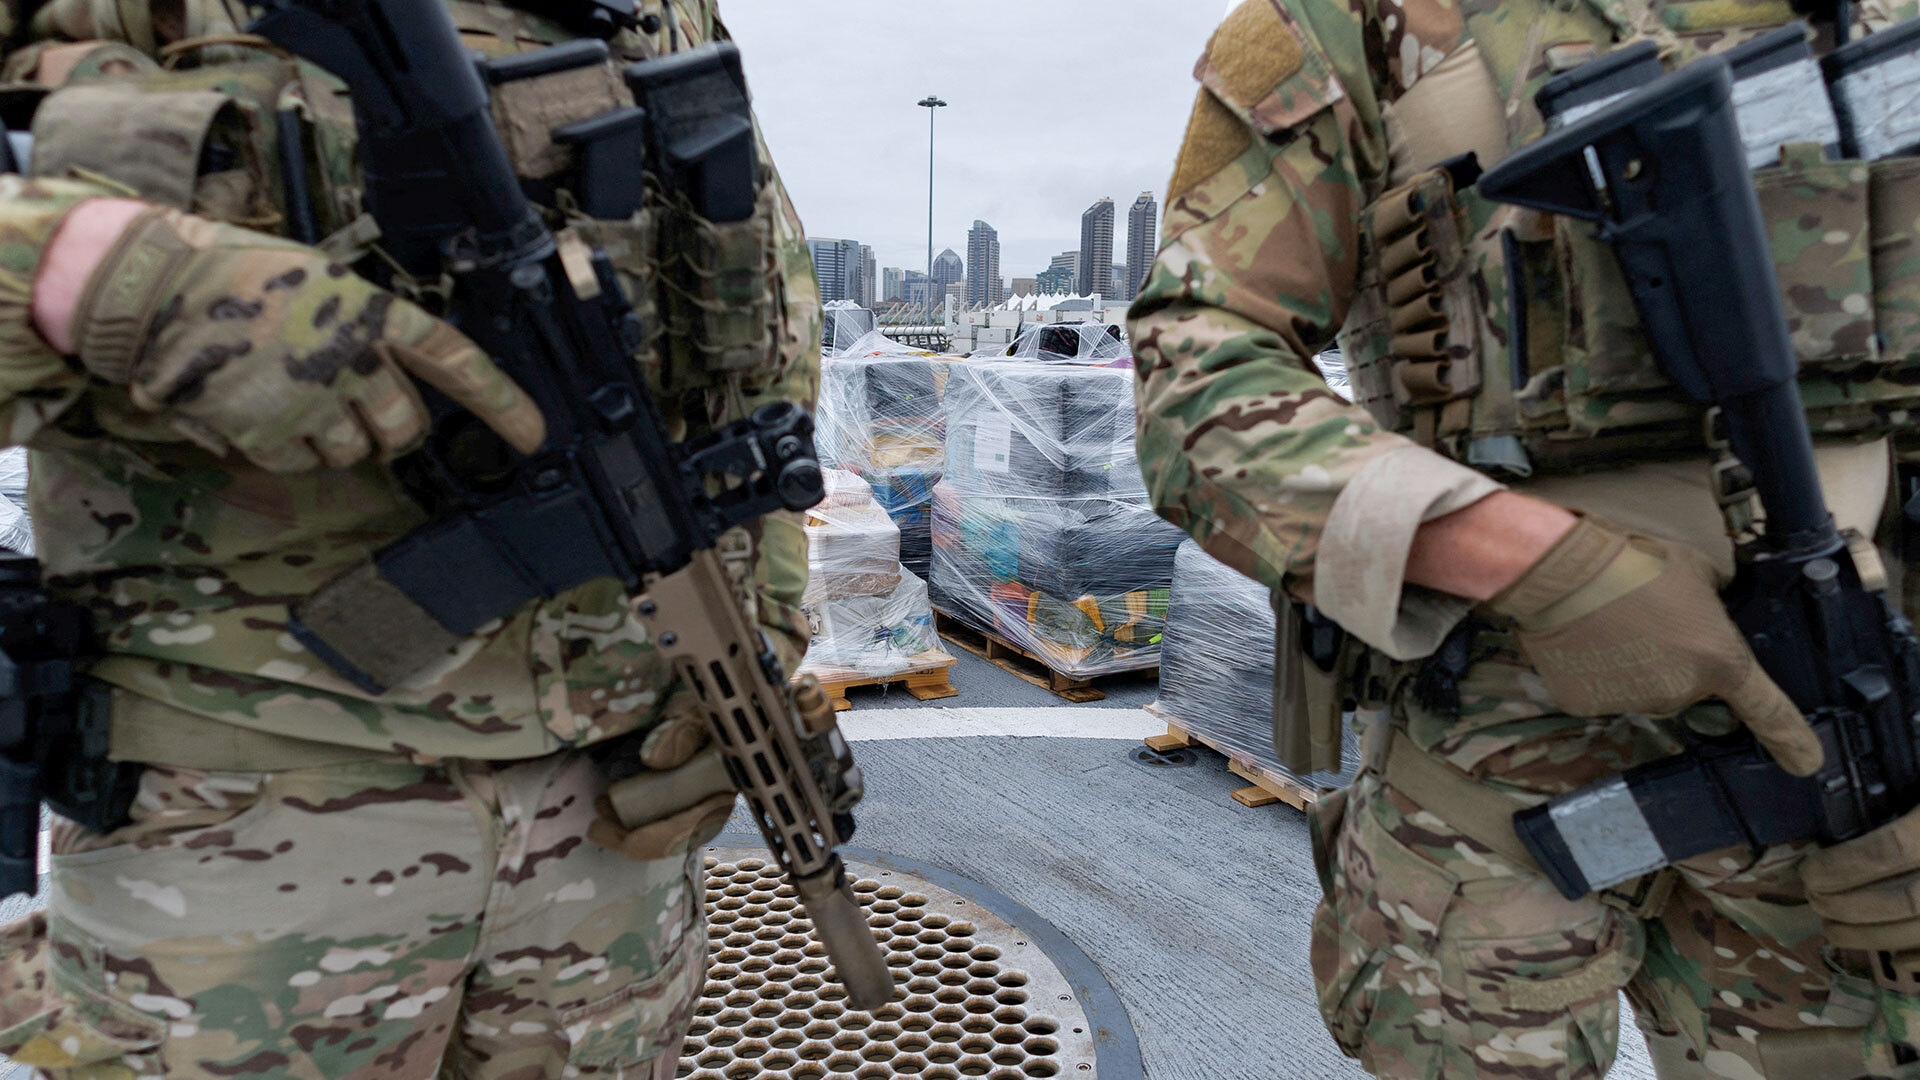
210, 125
216, 128
1507, 339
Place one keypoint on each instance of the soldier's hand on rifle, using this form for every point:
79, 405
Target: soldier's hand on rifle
258, 344
1618, 622
1867, 890
680, 802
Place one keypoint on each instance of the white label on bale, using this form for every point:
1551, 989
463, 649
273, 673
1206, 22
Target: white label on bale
993, 447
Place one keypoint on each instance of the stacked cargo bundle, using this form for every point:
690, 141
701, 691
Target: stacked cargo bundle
1042, 533
870, 616
1216, 668
1081, 342
879, 416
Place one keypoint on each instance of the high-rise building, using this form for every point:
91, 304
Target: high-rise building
1055, 282
1068, 261
1142, 241
868, 268
919, 288
893, 284
1025, 286
1120, 283
1096, 249
983, 258
947, 270
837, 268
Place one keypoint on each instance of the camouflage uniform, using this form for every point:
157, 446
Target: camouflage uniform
318, 882
1436, 953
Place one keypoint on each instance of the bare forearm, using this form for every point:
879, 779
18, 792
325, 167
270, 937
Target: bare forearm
1478, 551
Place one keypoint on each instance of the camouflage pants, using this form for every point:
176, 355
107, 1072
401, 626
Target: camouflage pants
1435, 956
375, 919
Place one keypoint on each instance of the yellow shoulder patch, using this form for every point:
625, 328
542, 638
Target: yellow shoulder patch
1215, 136
1252, 51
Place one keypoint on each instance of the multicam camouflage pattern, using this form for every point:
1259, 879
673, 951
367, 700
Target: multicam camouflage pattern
190, 560
1437, 956
446, 913
1434, 955
366, 920
1240, 439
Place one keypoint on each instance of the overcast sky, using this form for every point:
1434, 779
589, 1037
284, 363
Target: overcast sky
1052, 104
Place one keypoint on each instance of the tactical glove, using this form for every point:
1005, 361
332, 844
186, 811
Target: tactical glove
1618, 622
1867, 890
665, 813
261, 345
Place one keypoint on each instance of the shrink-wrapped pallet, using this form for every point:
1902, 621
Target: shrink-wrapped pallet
1216, 665
1042, 533
879, 416
869, 615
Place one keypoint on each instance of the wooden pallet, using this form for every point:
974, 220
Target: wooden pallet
1013, 659
926, 680
1266, 786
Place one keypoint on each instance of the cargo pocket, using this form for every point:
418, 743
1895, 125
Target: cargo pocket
1816, 212
644, 1019
1896, 257
52, 1018
1548, 1005
1375, 957
640, 1021
1323, 828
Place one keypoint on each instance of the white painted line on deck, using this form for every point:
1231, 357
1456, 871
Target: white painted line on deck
1053, 722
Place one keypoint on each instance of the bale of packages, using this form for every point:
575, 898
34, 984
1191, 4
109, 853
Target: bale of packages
1216, 665
1041, 526
879, 416
869, 615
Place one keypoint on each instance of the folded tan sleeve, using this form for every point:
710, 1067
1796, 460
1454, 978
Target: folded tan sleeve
1359, 579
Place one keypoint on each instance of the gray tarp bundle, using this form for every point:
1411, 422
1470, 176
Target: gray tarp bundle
1216, 664
16, 534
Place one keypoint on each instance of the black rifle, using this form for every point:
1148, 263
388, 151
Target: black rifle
53, 726
1663, 174
607, 495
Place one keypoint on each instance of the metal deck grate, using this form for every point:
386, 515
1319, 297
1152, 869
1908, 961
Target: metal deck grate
976, 997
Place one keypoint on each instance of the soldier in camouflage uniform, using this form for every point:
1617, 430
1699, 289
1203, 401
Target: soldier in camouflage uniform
316, 882
1517, 522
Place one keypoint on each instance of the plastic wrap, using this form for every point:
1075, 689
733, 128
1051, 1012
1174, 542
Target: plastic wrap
16, 532
1333, 368
1081, 342
843, 323
853, 547
1216, 664
870, 616
879, 416
1042, 532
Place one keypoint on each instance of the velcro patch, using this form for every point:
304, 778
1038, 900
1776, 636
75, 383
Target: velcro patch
1215, 137
1252, 52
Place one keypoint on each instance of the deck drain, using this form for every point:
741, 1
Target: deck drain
977, 996
1162, 759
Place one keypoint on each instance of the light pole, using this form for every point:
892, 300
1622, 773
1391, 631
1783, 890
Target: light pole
930, 103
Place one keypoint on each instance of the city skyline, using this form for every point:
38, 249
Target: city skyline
860, 169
